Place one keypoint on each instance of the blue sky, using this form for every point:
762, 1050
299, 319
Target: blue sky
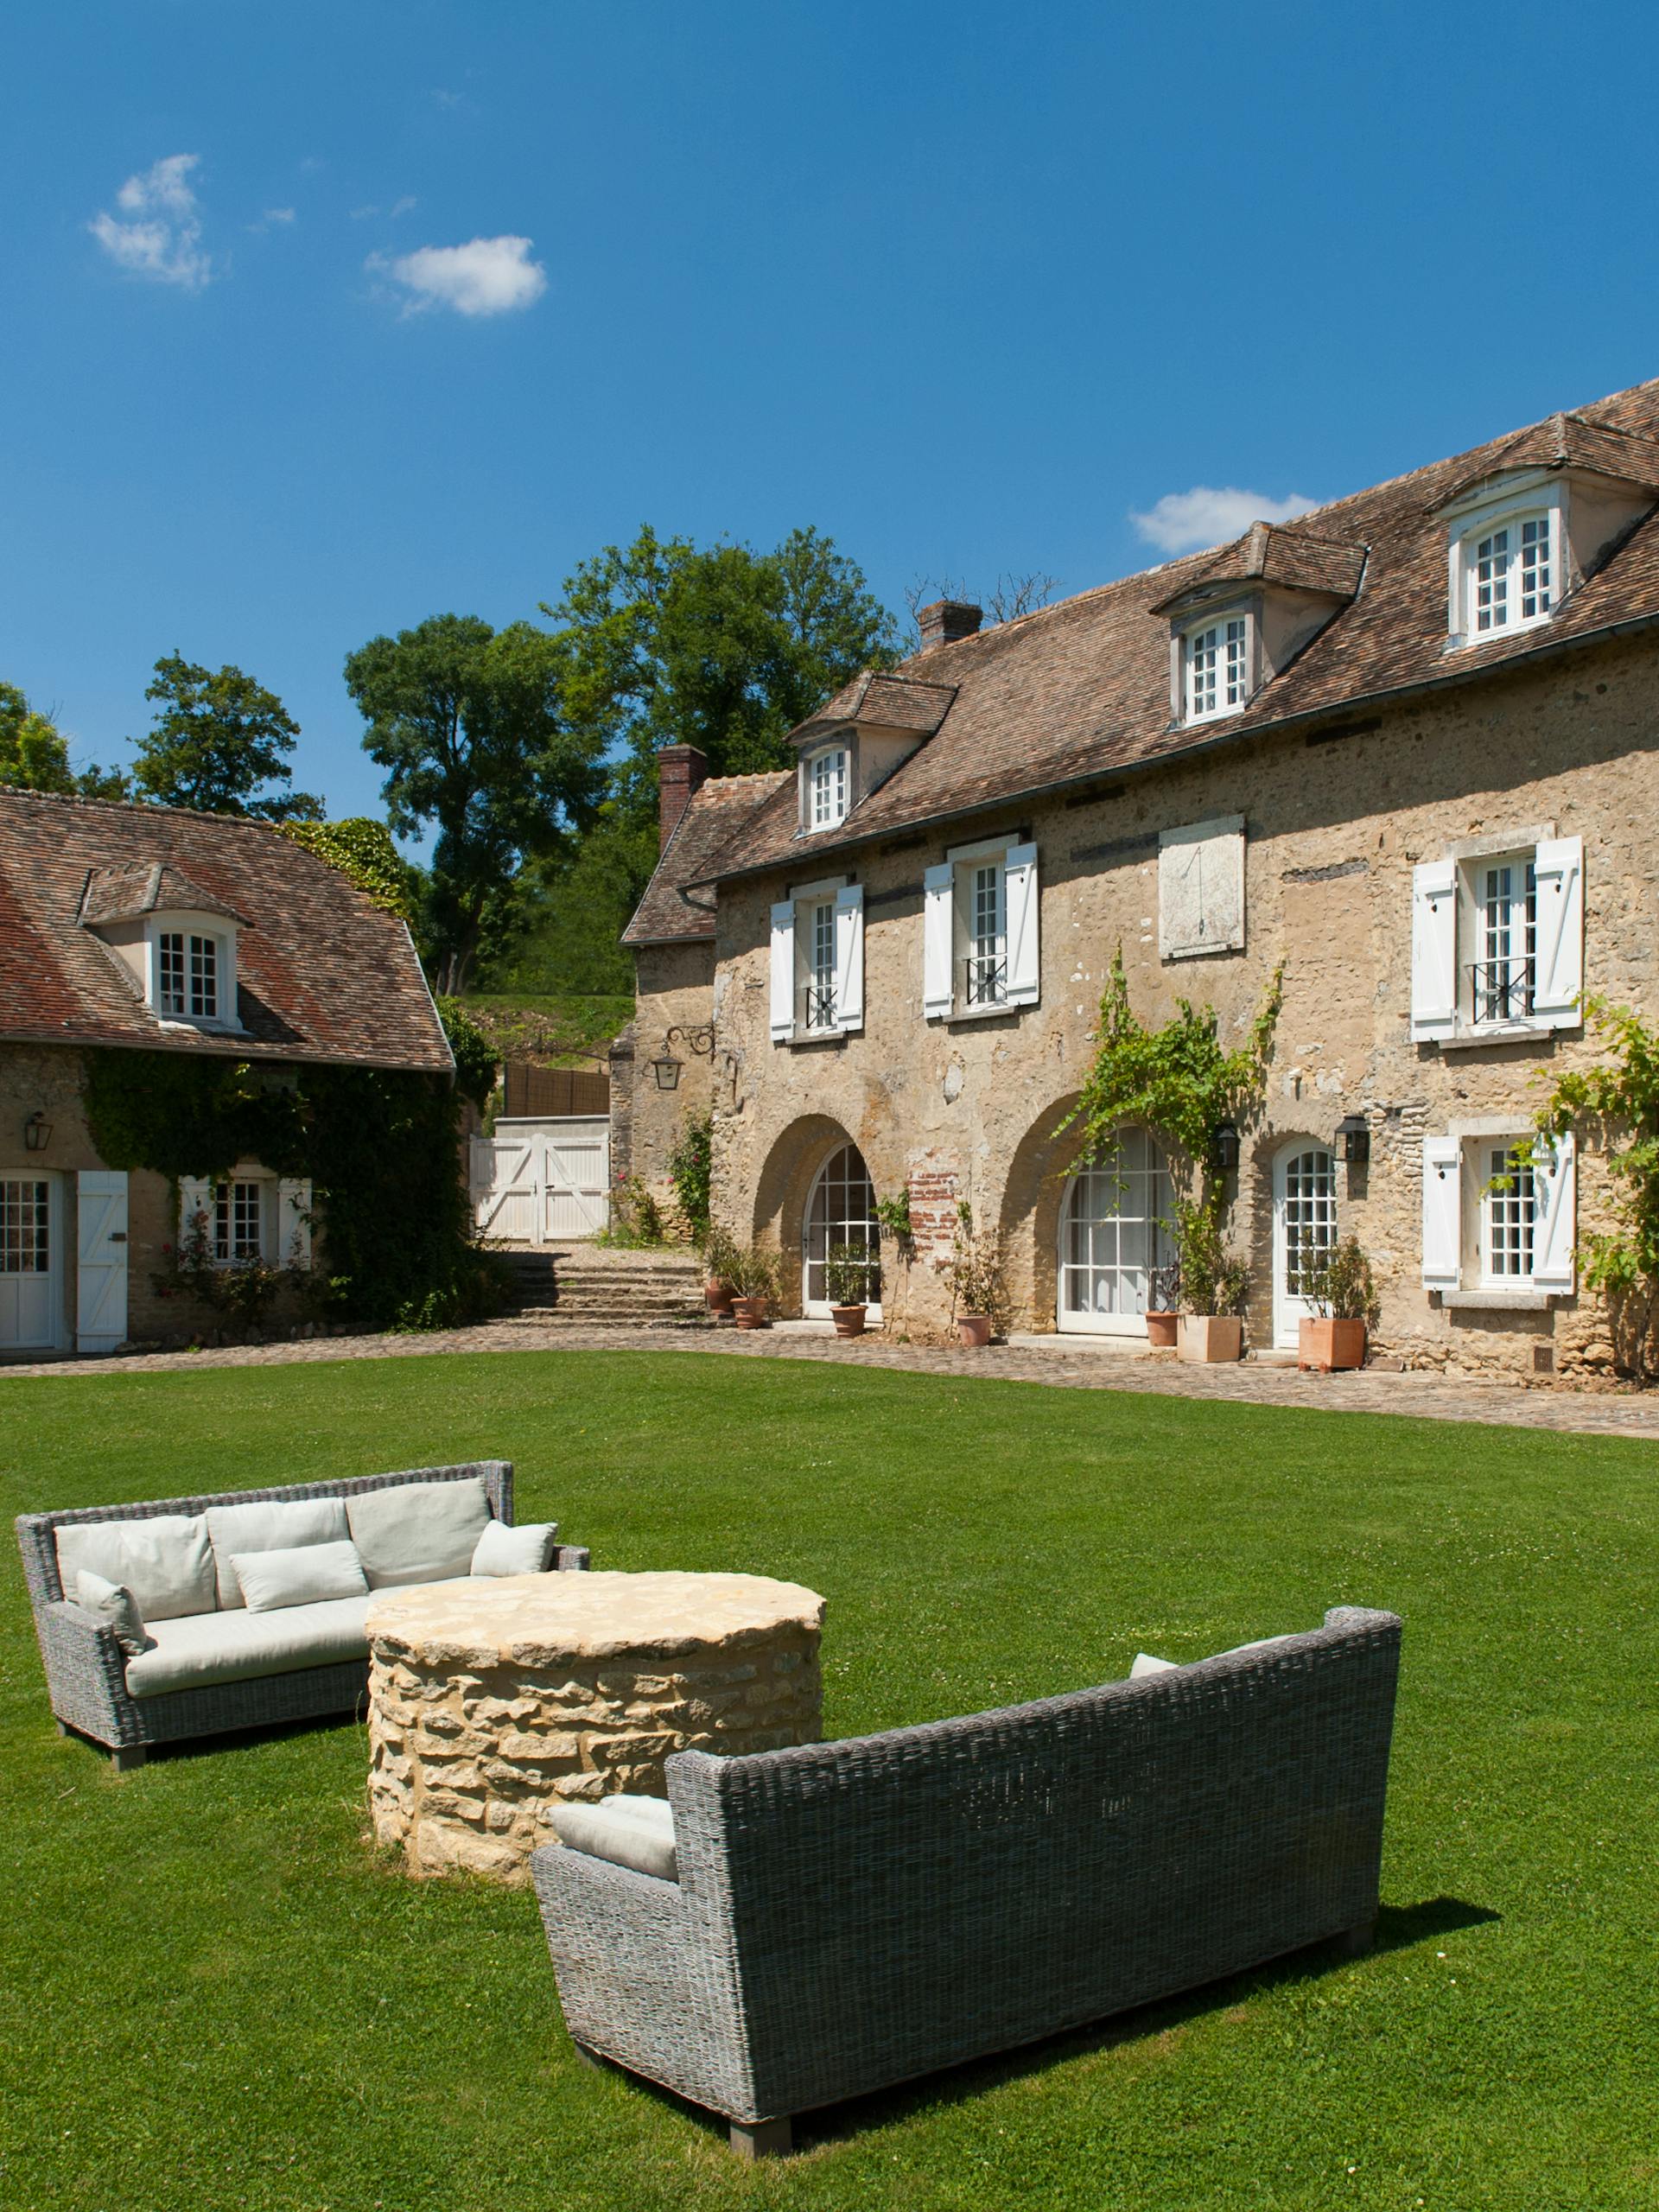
968, 287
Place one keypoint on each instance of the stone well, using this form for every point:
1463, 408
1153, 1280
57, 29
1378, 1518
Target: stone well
492, 1698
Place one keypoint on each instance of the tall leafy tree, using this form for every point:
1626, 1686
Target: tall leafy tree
218, 746
470, 725
35, 754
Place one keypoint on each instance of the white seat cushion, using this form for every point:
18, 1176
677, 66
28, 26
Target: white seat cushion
239, 1646
632, 1832
165, 1559
269, 1524
417, 1532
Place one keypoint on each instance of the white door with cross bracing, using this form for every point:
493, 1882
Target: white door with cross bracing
543, 1182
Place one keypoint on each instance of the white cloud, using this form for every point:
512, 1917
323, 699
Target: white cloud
279, 214
404, 206
161, 240
1204, 516
486, 277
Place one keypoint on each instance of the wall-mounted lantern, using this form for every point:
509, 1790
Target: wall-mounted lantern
667, 1070
1353, 1134
37, 1132
1226, 1148
701, 1039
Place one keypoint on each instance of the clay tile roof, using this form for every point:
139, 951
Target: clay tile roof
322, 975
714, 820
886, 702
1278, 553
1080, 690
1567, 441
122, 894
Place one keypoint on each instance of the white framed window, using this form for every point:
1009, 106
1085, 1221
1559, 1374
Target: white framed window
828, 780
1509, 1215
248, 1216
980, 922
840, 1214
1495, 1230
818, 963
1510, 572
192, 971
239, 1219
1497, 940
1216, 665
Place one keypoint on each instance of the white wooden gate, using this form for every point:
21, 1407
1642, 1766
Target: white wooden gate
543, 1182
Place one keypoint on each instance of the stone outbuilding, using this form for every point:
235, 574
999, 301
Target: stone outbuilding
128, 929
1403, 747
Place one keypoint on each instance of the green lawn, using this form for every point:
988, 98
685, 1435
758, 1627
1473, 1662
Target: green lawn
213, 1995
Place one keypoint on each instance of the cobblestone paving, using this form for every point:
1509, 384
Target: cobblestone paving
1431, 1397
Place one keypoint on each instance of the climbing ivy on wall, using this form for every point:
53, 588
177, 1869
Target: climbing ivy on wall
377, 1145
362, 849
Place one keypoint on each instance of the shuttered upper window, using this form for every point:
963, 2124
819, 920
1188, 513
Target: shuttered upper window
1497, 943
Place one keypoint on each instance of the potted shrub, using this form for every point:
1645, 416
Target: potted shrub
754, 1285
978, 1301
1213, 1287
847, 1279
1164, 1306
1339, 1288
720, 1260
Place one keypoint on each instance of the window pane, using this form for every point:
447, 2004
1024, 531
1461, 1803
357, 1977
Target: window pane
1113, 1231
841, 1211
170, 961
24, 1226
1510, 1217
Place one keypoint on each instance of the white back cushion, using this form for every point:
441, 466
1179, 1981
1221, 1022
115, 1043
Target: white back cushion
270, 1525
505, 1549
308, 1574
418, 1532
165, 1561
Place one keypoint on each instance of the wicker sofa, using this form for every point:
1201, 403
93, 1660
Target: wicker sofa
830, 1920
243, 1668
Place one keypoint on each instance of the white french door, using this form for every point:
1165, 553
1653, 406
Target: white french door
1304, 1232
30, 1270
1113, 1232
841, 1211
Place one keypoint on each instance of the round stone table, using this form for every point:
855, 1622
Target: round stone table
489, 1699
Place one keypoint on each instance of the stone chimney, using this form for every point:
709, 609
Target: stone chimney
680, 772
946, 621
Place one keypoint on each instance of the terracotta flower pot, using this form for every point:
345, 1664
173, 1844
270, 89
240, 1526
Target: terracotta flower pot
719, 1296
1206, 1337
975, 1330
751, 1312
1161, 1330
848, 1321
1325, 1345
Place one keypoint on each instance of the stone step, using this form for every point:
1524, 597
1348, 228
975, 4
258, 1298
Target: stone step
551, 1318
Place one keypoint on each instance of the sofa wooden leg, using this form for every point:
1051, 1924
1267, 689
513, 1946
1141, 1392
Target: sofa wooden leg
588, 2057
1355, 1942
767, 2139
62, 1727
125, 1757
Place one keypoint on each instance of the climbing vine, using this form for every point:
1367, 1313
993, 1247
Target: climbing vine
362, 849
476, 1060
690, 1167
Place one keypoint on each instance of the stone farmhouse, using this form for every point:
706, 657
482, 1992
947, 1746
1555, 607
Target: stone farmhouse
138, 927
1407, 744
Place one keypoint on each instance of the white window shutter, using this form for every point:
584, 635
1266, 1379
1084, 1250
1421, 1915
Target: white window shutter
849, 957
1020, 894
1442, 1213
1558, 868
293, 1222
1434, 950
1555, 1228
938, 939
195, 1196
783, 970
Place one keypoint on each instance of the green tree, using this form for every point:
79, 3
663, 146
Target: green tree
219, 739
35, 754
470, 725
576, 905
719, 646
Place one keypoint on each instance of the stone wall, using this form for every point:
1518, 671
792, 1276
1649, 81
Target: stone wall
969, 1108
675, 988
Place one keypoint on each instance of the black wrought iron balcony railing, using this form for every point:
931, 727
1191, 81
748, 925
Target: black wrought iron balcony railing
987, 979
820, 1006
1501, 990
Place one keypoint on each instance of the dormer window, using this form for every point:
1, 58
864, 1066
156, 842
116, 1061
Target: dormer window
187, 976
1509, 575
177, 939
1216, 656
827, 780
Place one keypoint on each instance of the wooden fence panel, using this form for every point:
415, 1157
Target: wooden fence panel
536, 1093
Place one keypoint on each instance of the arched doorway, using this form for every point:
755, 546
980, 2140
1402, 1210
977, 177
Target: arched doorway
1113, 1231
1304, 1230
840, 1210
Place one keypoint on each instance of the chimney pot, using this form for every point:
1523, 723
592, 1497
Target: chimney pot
681, 772
948, 620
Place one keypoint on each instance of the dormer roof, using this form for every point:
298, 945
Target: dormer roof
1564, 441
881, 701
1273, 553
128, 891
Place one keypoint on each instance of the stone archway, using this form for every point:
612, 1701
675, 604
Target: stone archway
1032, 1191
782, 1191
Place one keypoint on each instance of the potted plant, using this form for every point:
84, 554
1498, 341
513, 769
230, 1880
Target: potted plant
978, 1300
720, 1259
1338, 1286
847, 1279
1163, 1306
755, 1285
1213, 1287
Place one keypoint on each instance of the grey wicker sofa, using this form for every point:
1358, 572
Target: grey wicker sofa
850, 1915
287, 1667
